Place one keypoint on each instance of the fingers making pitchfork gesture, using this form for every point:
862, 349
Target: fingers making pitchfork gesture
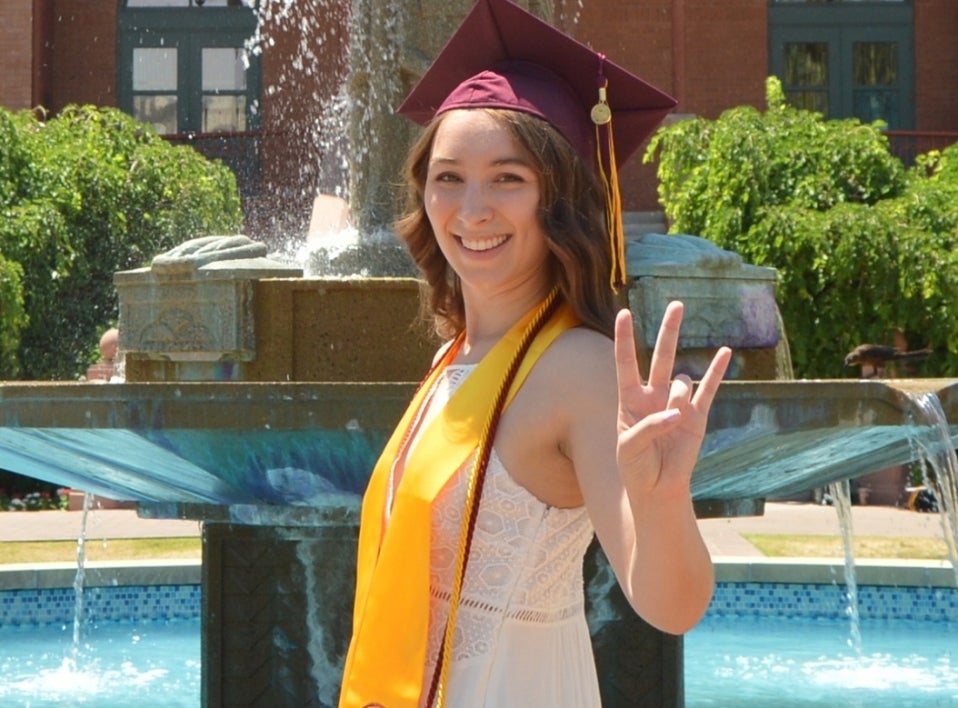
661, 422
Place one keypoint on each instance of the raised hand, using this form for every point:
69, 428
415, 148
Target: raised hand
661, 422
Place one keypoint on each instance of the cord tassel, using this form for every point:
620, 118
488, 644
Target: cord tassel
601, 115
437, 690
613, 207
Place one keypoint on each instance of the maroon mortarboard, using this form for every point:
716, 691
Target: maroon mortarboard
503, 56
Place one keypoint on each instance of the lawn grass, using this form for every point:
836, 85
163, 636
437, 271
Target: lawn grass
100, 550
771, 545
818, 546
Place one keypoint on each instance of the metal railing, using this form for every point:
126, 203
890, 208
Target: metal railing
906, 145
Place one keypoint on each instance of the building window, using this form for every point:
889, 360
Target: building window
846, 58
806, 75
154, 87
183, 67
223, 88
874, 88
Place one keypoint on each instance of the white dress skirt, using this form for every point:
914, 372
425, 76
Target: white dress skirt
521, 637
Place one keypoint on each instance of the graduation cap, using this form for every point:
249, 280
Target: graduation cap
503, 56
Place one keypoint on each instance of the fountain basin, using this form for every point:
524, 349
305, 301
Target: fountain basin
208, 443
314, 444
783, 437
276, 471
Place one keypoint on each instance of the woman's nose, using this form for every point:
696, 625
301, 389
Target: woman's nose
474, 206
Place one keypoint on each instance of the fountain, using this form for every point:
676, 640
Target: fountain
247, 406
257, 401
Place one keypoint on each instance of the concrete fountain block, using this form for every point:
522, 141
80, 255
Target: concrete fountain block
216, 309
727, 302
195, 302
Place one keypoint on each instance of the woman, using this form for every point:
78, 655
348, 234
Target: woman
534, 428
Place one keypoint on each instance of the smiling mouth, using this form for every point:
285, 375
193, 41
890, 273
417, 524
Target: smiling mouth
483, 244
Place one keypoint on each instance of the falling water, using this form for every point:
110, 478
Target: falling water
314, 68
841, 495
353, 61
934, 451
78, 581
320, 134
346, 57
325, 675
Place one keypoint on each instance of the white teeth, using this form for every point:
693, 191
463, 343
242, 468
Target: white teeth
483, 244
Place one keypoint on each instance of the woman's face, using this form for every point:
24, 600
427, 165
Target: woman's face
482, 200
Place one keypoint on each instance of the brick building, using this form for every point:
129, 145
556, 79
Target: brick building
181, 65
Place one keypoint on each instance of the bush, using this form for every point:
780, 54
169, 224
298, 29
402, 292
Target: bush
13, 317
83, 195
19, 493
862, 245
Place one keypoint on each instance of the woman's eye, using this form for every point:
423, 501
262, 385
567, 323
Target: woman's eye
447, 177
510, 177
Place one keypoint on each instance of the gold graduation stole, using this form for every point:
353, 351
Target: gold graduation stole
387, 654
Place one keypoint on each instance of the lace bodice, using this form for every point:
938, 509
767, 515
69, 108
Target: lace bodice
526, 558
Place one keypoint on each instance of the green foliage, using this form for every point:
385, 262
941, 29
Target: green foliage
13, 317
862, 245
18, 493
83, 195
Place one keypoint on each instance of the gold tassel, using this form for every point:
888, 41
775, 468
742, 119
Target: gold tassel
602, 117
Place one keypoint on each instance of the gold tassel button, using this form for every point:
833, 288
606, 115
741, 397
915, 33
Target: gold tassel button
601, 113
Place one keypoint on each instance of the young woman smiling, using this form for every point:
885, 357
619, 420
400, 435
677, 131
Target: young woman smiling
534, 429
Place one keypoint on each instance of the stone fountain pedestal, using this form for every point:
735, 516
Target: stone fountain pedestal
278, 577
277, 610
277, 580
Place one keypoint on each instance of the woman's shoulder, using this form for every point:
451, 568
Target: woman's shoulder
580, 354
574, 381
584, 341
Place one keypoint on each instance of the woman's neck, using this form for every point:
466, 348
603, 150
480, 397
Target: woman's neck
489, 317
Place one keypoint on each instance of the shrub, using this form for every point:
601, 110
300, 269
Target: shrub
19, 493
83, 195
13, 317
862, 245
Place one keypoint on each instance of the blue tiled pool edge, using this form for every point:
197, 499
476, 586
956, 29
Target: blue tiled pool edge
40, 594
814, 588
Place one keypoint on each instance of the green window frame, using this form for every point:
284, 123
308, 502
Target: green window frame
851, 58
182, 65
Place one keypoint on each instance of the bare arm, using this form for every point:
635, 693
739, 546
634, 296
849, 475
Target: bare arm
637, 485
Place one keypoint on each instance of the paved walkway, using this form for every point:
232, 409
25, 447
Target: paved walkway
100, 524
723, 536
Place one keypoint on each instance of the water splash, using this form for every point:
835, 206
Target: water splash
307, 109
569, 16
934, 451
122, 665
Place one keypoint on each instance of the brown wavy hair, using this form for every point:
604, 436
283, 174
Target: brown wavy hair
572, 214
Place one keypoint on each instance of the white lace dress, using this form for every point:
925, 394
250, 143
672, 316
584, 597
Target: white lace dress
521, 636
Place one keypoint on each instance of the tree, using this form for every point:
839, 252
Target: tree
83, 195
862, 245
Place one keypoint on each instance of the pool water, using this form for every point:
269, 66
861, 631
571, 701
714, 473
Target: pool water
117, 664
730, 662
747, 662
